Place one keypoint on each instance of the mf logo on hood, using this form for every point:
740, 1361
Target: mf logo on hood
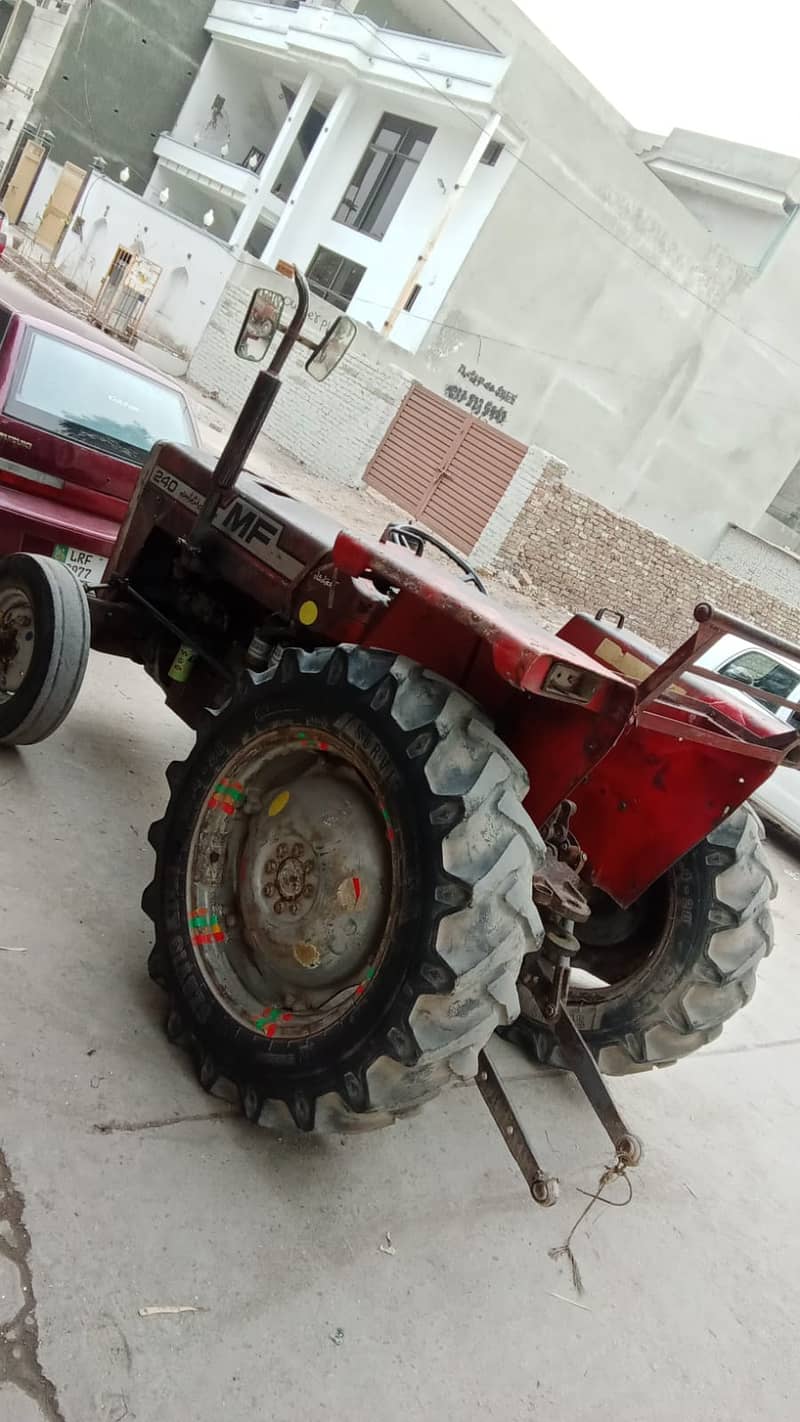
248, 525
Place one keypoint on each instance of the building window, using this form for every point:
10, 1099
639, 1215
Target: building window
384, 174
491, 153
334, 278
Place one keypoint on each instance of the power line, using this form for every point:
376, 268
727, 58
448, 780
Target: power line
565, 197
727, 398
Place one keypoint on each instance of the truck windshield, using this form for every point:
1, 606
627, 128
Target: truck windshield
74, 393
763, 671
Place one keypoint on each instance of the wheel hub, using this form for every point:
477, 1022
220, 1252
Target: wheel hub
311, 878
16, 639
291, 878
291, 883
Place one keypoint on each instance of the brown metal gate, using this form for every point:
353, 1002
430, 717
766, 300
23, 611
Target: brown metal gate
447, 468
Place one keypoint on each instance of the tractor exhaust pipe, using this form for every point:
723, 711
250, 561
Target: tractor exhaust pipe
259, 402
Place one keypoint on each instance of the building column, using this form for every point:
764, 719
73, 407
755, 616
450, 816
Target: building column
459, 188
330, 132
275, 160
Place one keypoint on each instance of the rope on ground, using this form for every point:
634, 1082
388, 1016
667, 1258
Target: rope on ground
617, 1171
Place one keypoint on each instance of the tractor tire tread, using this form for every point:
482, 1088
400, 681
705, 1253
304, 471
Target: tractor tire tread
62, 670
719, 974
488, 858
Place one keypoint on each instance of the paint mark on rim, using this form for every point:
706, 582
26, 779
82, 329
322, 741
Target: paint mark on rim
278, 805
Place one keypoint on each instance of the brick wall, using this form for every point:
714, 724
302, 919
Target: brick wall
333, 427
586, 557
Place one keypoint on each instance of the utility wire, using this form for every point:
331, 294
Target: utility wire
565, 197
728, 398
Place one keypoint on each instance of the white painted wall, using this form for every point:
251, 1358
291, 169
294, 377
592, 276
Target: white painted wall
757, 561
178, 309
253, 110
389, 262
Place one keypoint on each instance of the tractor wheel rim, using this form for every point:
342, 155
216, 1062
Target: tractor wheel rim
291, 883
17, 639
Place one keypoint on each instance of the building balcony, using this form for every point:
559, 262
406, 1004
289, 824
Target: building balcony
229, 180
353, 47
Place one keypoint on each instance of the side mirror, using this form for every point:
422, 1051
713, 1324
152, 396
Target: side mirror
332, 349
260, 324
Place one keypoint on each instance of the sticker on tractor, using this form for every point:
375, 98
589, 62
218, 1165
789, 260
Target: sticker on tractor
239, 519
259, 534
183, 493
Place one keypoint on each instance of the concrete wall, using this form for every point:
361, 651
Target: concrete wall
746, 232
333, 428
195, 266
121, 75
775, 570
627, 340
31, 45
585, 557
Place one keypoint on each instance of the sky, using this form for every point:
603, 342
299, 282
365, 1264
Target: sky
727, 69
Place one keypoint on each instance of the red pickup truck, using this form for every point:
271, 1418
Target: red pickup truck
77, 421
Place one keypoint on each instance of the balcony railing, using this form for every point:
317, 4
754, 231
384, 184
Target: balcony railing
218, 174
316, 35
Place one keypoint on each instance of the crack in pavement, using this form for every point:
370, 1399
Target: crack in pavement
19, 1335
107, 1128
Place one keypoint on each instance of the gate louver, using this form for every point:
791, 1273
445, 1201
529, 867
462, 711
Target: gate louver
447, 468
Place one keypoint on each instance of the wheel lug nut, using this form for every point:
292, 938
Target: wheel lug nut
269, 890
309, 891
277, 906
293, 908
282, 851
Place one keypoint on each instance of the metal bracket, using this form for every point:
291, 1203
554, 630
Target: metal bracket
543, 1187
579, 1060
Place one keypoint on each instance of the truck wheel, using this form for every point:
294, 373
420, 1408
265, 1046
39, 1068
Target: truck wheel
342, 897
656, 981
44, 646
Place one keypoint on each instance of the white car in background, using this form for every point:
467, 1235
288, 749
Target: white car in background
778, 799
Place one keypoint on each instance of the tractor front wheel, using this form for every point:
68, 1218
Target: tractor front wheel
44, 646
342, 898
656, 981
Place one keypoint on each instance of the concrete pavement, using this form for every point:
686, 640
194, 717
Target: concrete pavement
136, 1190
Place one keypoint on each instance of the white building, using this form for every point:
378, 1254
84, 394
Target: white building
312, 131
529, 271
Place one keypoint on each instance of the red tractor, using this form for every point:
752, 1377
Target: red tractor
410, 819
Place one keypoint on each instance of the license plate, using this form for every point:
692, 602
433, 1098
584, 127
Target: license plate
86, 567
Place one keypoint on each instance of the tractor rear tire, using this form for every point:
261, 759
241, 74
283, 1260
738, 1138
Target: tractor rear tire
44, 646
708, 925
343, 891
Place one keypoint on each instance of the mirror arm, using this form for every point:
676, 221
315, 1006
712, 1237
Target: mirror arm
303, 340
294, 330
